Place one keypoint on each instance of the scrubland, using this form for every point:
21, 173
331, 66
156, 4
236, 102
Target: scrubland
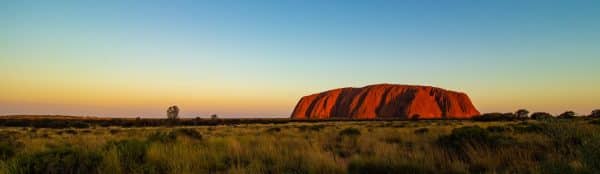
434, 146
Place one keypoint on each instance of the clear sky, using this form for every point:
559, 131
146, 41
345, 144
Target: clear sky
257, 58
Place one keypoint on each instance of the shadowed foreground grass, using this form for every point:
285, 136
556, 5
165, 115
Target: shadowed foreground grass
552, 146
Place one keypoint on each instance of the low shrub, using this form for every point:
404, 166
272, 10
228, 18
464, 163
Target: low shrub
191, 133
595, 122
70, 131
421, 131
401, 125
595, 113
497, 129
495, 117
541, 116
273, 129
351, 132
530, 128
61, 160
567, 115
311, 127
114, 131
473, 135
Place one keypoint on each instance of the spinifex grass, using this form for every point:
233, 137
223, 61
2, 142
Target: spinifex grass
564, 146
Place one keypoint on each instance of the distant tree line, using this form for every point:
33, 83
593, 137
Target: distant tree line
174, 120
523, 114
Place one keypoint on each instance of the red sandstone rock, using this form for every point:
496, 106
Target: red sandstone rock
384, 101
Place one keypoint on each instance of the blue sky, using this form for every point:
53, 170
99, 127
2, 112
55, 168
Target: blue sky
251, 58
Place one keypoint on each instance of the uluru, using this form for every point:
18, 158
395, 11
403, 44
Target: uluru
386, 101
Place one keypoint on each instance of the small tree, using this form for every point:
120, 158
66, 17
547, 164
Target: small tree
567, 114
173, 113
595, 113
522, 113
214, 116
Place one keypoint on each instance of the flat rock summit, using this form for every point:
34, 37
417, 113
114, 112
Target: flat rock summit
386, 101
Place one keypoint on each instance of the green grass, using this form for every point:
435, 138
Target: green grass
435, 146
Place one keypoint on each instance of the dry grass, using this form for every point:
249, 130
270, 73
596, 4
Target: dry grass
378, 147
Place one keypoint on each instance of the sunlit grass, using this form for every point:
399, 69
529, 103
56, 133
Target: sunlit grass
329, 147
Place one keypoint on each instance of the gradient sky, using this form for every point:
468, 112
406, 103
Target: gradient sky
257, 58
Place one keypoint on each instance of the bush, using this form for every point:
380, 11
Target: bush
352, 132
541, 116
567, 115
495, 117
522, 113
114, 131
192, 133
473, 135
273, 129
595, 113
497, 129
311, 128
61, 160
530, 128
421, 131
71, 131
595, 122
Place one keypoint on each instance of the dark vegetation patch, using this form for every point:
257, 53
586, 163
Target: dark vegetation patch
273, 130
63, 160
44, 123
541, 116
421, 131
317, 127
474, 136
345, 144
7, 150
70, 131
351, 132
525, 127
114, 131
61, 123
191, 133
498, 129
496, 117
595, 122
403, 125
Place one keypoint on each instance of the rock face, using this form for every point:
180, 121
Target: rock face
385, 101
